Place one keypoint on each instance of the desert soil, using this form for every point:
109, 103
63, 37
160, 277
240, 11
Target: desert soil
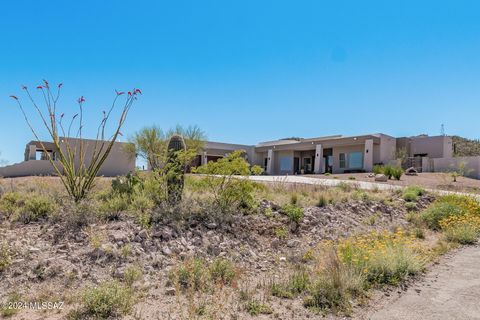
449, 290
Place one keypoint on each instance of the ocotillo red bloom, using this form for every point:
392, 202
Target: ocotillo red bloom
46, 83
39, 87
62, 115
138, 91
81, 99
119, 93
14, 97
129, 93
60, 85
24, 87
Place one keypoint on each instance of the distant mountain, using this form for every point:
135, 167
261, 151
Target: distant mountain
464, 147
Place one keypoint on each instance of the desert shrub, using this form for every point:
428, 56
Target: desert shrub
5, 257
296, 284
410, 206
154, 187
345, 187
256, 170
377, 169
141, 206
110, 299
412, 193
323, 201
80, 214
132, 274
293, 212
463, 234
384, 258
222, 271
388, 171
419, 233
10, 202
336, 285
294, 198
36, 207
397, 173
439, 211
352, 178
112, 208
466, 203
255, 307
7, 309
126, 184
191, 274
281, 232
463, 229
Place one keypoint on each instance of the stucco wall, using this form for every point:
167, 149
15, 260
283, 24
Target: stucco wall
472, 165
276, 164
387, 149
29, 168
434, 147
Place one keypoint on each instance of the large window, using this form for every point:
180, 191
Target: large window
355, 160
286, 163
341, 160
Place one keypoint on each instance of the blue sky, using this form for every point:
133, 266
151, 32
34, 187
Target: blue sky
246, 71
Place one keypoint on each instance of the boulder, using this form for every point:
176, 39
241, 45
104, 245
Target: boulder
381, 178
411, 171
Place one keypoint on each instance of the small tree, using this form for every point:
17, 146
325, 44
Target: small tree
460, 170
150, 144
76, 172
229, 192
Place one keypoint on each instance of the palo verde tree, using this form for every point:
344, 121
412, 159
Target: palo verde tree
150, 144
78, 161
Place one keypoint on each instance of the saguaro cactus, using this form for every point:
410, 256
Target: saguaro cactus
176, 168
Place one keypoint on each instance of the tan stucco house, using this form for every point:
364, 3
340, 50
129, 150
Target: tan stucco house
334, 154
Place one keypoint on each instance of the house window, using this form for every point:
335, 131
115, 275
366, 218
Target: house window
341, 160
355, 160
286, 163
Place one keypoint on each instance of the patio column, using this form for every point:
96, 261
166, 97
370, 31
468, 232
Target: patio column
318, 168
270, 161
204, 158
368, 156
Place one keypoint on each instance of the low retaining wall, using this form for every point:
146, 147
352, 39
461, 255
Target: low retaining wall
29, 168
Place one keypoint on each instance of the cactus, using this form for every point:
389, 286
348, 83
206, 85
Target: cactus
176, 169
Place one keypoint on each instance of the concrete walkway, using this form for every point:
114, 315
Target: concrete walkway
335, 182
450, 290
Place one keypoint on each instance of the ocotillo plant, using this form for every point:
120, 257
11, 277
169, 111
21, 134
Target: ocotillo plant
76, 172
175, 168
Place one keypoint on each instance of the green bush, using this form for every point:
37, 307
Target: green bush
336, 285
5, 257
378, 169
222, 271
190, 274
37, 207
112, 208
388, 171
10, 202
127, 184
255, 307
412, 193
461, 233
256, 170
438, 211
397, 173
132, 274
109, 300
345, 187
296, 284
293, 212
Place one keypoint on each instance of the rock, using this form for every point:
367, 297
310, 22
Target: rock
293, 243
170, 291
211, 225
143, 234
411, 171
167, 251
33, 249
381, 178
283, 259
119, 235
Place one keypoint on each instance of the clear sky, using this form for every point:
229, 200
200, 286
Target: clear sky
250, 70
